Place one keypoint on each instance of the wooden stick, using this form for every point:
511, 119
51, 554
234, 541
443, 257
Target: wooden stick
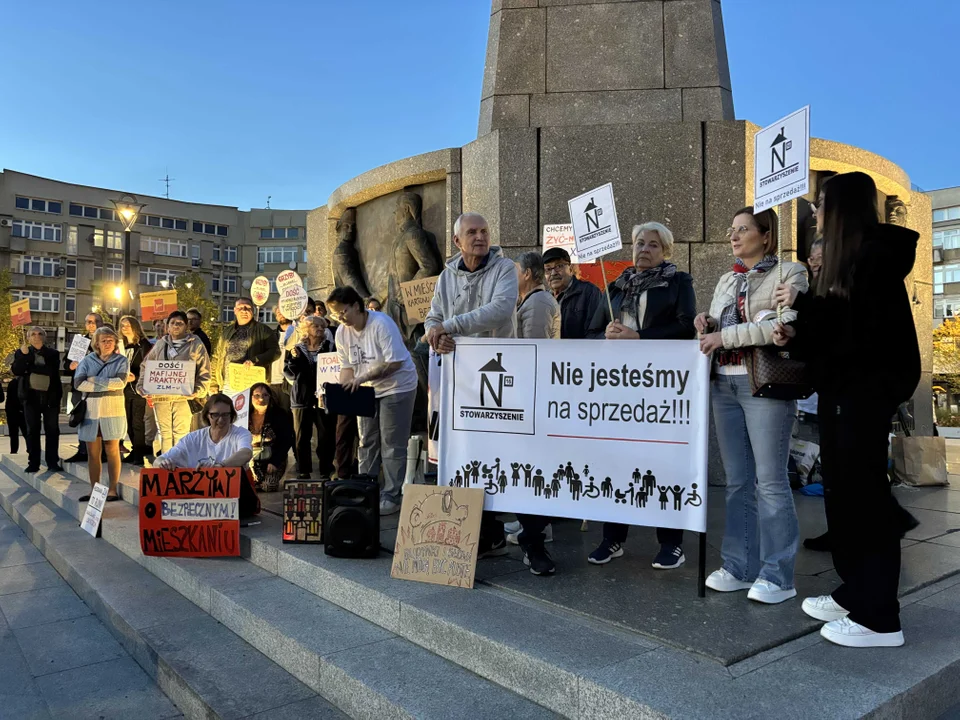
606, 290
778, 210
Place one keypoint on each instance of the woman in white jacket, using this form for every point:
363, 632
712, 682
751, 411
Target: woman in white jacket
761, 535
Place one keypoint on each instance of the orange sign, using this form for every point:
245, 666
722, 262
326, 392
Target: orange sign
190, 513
157, 305
20, 313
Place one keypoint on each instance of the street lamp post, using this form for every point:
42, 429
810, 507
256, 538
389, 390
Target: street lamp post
128, 210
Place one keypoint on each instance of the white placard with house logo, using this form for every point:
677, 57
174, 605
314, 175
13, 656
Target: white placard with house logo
578, 429
594, 219
94, 511
782, 161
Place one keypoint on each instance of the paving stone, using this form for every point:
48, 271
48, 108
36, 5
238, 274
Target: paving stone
925, 563
38, 607
933, 523
66, 645
117, 689
19, 552
21, 578
948, 599
950, 540
22, 707
15, 675
940, 498
315, 708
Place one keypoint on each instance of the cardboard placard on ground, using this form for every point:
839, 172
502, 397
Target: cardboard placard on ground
293, 301
190, 513
437, 536
240, 376
260, 290
94, 511
20, 313
241, 403
78, 348
594, 218
561, 236
417, 296
782, 160
287, 279
169, 377
157, 305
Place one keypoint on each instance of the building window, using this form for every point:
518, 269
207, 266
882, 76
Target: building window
164, 246
39, 266
230, 254
70, 308
210, 229
161, 221
944, 214
72, 240
279, 233
226, 314
71, 274
38, 205
39, 301
48, 232
229, 284
97, 272
279, 254
943, 275
947, 239
266, 316
115, 272
155, 276
90, 211
112, 238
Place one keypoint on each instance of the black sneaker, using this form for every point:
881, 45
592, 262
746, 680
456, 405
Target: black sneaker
55, 468
78, 458
303, 476
821, 543
607, 551
538, 560
493, 550
33, 468
669, 557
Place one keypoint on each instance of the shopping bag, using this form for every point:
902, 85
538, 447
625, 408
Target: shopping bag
804, 455
920, 461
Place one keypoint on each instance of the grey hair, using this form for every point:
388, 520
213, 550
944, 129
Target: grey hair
662, 231
818, 243
532, 261
456, 225
37, 329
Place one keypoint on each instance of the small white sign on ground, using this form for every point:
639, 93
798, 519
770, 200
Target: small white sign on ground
782, 160
91, 518
594, 219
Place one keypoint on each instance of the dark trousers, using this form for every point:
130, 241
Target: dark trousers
348, 437
136, 406
491, 530
305, 420
16, 426
617, 532
863, 518
532, 529
41, 417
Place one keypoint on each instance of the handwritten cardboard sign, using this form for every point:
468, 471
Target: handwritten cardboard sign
240, 376
438, 533
287, 279
417, 296
94, 511
293, 301
78, 348
169, 377
190, 513
561, 236
328, 368
157, 305
20, 313
260, 290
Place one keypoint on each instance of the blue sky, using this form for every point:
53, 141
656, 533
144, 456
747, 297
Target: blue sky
241, 99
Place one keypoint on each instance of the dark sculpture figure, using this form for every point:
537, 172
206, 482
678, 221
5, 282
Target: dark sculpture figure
415, 256
896, 211
346, 258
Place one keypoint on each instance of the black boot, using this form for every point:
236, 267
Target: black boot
821, 543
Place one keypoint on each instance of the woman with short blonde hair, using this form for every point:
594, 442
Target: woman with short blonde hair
666, 238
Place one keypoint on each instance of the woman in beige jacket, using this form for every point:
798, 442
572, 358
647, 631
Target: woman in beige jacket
761, 535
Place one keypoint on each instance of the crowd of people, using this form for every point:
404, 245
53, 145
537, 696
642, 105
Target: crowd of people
851, 287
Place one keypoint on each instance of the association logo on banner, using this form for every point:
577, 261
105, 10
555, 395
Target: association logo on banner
498, 393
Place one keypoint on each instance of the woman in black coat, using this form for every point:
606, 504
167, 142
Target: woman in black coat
136, 346
16, 422
651, 301
272, 432
38, 368
860, 296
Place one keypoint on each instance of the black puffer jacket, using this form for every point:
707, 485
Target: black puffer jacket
669, 314
45, 361
578, 305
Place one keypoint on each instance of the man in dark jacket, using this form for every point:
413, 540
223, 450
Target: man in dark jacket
246, 341
40, 395
194, 318
578, 300
91, 323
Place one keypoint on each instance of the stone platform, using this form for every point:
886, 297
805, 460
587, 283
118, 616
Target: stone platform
616, 641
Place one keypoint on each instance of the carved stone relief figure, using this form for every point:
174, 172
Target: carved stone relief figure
896, 211
415, 256
346, 258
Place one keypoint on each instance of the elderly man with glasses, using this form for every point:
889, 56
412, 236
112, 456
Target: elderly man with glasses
246, 341
578, 300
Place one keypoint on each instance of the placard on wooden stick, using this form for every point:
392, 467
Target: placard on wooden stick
438, 534
417, 296
20, 313
157, 305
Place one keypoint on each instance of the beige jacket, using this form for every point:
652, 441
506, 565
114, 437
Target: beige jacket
759, 303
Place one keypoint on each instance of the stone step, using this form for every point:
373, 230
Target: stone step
362, 668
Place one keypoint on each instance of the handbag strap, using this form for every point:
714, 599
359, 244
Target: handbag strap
83, 396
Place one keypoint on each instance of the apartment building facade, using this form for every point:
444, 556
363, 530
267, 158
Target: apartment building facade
945, 204
64, 246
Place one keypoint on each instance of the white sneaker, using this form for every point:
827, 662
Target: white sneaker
513, 537
388, 507
765, 591
722, 581
823, 608
512, 528
850, 634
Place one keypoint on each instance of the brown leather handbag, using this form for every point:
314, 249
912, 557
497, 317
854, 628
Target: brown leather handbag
775, 375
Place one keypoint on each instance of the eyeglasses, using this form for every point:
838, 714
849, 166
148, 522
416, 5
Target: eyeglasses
737, 230
243, 308
218, 416
556, 269
171, 323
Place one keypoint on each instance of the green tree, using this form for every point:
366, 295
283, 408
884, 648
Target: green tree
11, 338
195, 296
946, 348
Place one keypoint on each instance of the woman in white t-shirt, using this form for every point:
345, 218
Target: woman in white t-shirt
223, 444
372, 353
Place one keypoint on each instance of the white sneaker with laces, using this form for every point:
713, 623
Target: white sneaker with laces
824, 608
723, 581
850, 634
513, 537
512, 528
765, 591
388, 507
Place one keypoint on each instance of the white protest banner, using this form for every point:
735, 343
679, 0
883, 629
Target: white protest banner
78, 348
241, 403
94, 511
594, 219
782, 160
288, 279
561, 236
169, 377
260, 290
581, 428
433, 407
293, 301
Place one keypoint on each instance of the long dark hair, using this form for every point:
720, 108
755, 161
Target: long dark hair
134, 325
850, 213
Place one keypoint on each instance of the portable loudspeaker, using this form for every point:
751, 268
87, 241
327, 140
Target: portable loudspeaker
351, 517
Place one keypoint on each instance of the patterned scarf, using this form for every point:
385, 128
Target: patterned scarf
634, 283
733, 314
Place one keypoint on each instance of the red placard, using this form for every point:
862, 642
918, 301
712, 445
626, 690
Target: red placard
614, 268
190, 512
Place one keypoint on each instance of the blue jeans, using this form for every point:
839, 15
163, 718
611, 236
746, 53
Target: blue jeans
761, 534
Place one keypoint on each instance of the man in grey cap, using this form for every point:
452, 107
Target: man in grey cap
578, 300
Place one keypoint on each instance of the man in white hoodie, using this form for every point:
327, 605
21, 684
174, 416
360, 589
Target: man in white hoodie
476, 296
